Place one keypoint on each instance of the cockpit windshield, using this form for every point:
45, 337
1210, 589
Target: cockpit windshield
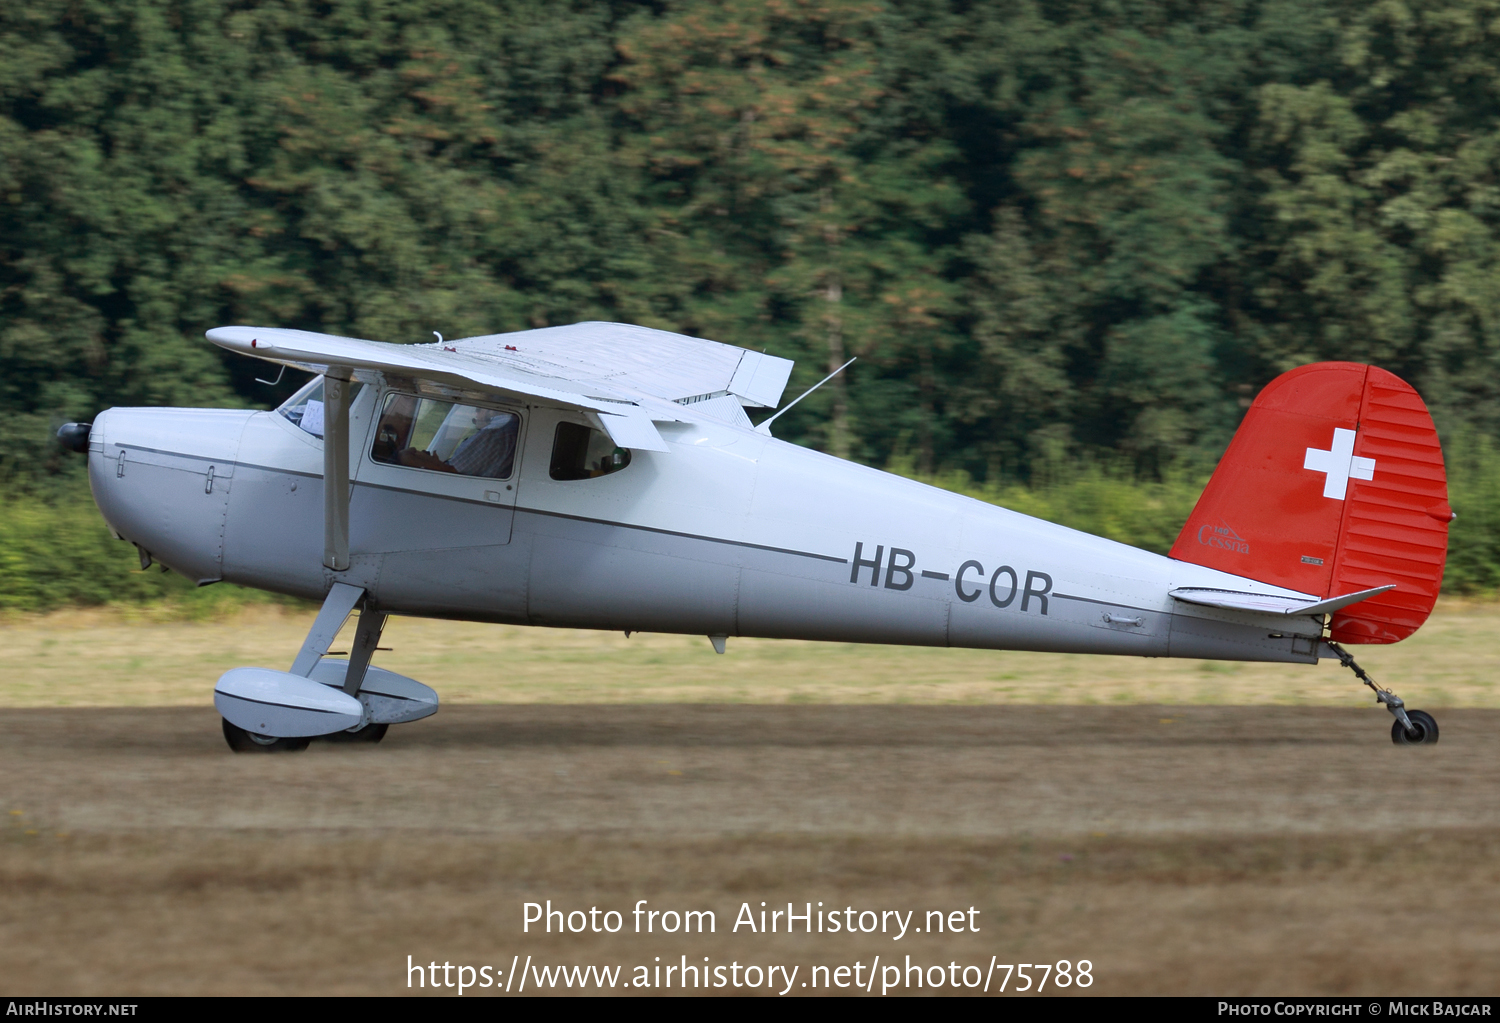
305, 408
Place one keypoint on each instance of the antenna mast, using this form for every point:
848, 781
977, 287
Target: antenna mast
765, 427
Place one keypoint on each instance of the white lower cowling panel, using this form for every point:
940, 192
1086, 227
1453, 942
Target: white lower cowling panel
280, 704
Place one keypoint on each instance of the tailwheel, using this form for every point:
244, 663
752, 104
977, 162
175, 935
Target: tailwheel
242, 741
371, 733
1411, 727
1424, 730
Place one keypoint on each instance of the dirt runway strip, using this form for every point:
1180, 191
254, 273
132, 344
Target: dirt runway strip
1224, 850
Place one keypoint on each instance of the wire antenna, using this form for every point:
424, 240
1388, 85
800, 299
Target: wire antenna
765, 427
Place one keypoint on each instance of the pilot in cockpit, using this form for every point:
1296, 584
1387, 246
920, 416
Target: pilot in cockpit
469, 441
491, 450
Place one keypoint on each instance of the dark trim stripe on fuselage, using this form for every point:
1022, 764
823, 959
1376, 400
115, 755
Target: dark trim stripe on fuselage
489, 504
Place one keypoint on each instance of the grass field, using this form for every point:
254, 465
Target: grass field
1187, 850
1180, 847
122, 657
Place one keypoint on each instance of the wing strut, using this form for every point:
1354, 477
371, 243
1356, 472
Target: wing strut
336, 468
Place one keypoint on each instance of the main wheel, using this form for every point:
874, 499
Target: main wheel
1424, 730
369, 733
242, 741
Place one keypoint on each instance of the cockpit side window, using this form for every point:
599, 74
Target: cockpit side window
579, 453
305, 408
440, 436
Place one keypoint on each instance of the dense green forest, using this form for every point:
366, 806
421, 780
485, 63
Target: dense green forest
1067, 240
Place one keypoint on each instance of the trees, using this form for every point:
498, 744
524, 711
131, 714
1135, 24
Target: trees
1085, 229
1380, 217
777, 147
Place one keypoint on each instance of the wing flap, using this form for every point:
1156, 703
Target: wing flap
632, 432
725, 408
1272, 603
759, 379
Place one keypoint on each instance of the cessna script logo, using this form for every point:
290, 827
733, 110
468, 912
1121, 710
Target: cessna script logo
1223, 537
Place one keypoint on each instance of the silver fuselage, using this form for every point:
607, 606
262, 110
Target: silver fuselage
730, 533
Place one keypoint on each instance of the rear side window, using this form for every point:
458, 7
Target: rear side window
580, 453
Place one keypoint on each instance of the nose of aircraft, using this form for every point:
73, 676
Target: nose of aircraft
162, 477
75, 436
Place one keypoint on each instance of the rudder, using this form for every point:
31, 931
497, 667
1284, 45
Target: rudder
1333, 483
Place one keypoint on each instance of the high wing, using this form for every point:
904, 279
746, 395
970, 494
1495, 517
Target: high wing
629, 377
675, 367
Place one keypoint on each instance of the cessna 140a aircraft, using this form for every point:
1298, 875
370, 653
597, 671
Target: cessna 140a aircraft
606, 476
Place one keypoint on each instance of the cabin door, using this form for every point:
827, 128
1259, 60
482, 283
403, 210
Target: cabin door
435, 475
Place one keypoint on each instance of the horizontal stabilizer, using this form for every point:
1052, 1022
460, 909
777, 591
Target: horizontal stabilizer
1271, 603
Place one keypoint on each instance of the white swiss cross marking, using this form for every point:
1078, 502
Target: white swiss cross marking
1340, 464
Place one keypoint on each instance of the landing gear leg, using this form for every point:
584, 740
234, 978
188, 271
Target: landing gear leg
1411, 728
341, 600
366, 639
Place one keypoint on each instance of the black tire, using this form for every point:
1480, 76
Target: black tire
370, 733
1424, 733
242, 741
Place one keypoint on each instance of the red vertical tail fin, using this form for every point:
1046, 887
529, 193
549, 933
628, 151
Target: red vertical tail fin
1333, 483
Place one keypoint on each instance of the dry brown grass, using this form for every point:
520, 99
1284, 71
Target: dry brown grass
1192, 848
264, 913
125, 658
1210, 850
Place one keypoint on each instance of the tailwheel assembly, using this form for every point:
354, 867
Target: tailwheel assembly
1425, 729
1411, 727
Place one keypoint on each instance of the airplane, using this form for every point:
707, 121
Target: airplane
607, 476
